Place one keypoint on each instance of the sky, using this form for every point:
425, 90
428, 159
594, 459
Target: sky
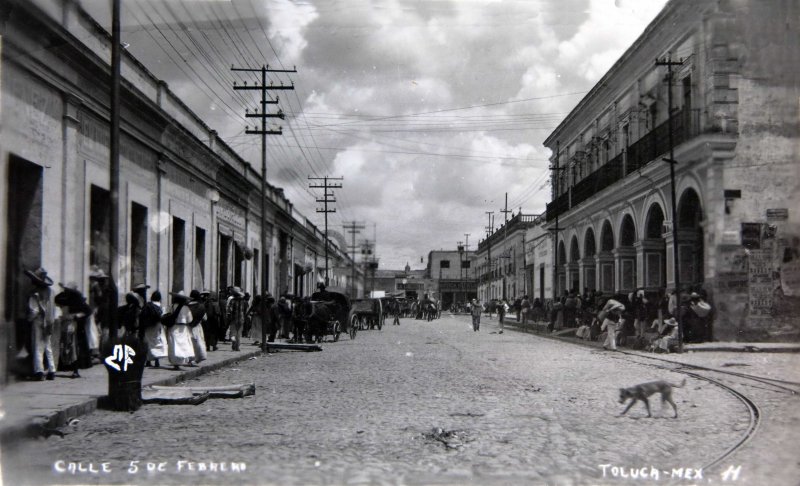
431, 111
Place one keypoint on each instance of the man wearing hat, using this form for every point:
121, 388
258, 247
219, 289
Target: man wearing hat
236, 312
41, 314
475, 310
668, 336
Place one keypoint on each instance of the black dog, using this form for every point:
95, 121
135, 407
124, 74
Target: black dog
643, 391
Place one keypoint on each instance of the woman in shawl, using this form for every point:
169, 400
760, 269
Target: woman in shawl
179, 333
255, 320
152, 329
74, 352
198, 310
211, 323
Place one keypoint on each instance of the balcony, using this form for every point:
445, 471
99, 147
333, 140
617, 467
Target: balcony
650, 148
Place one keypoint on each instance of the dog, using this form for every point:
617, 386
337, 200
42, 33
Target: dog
645, 390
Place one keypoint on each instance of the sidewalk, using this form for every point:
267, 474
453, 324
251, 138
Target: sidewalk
740, 347
29, 407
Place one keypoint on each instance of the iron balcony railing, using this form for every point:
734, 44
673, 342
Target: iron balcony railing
650, 148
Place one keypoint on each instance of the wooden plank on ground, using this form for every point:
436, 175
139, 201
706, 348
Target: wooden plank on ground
294, 347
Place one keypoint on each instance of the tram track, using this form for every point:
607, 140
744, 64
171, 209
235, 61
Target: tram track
754, 412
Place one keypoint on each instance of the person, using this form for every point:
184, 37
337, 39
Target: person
235, 317
502, 308
198, 310
518, 307
640, 305
41, 314
103, 301
700, 316
254, 312
396, 312
128, 315
74, 309
152, 331
273, 319
475, 310
212, 322
611, 316
570, 309
285, 317
668, 336
525, 308
179, 335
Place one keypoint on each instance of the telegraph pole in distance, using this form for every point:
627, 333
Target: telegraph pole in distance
557, 170
671, 161
263, 115
507, 253
353, 228
326, 198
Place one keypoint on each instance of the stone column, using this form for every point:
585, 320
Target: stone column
606, 273
650, 259
588, 271
625, 265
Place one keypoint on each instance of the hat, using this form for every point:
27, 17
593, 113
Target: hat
179, 296
39, 277
140, 287
69, 286
194, 294
694, 295
205, 292
131, 298
156, 296
670, 322
321, 286
97, 273
237, 291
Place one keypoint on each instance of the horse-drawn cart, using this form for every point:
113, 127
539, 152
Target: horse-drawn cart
327, 314
367, 314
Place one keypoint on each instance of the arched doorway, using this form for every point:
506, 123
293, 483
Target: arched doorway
573, 269
690, 238
654, 249
562, 275
605, 259
626, 254
588, 263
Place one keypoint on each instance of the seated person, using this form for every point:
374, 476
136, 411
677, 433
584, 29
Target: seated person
668, 337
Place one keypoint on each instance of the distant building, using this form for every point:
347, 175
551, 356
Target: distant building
406, 283
735, 130
500, 260
538, 260
454, 274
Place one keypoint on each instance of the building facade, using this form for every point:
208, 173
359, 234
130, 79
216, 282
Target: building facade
539, 260
454, 274
732, 138
189, 206
501, 260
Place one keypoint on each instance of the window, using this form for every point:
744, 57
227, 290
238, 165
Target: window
444, 264
178, 253
465, 263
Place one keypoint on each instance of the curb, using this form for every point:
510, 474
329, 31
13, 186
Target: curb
47, 423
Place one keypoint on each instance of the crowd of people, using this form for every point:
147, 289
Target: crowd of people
640, 319
65, 331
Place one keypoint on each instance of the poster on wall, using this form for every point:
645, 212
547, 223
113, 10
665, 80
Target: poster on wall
760, 282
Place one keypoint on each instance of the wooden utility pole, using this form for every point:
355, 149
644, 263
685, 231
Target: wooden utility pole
263, 131
671, 161
353, 228
114, 144
556, 175
327, 197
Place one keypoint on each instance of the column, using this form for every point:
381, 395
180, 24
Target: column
606, 272
650, 255
625, 264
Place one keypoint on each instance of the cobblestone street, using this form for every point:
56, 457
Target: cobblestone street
425, 403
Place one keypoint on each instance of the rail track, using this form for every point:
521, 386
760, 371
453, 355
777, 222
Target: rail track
753, 411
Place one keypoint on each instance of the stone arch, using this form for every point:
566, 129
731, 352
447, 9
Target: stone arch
589, 243
627, 231
574, 251
654, 221
562, 253
690, 209
606, 236
690, 238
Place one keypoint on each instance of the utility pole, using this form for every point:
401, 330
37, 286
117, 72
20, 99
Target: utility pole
263, 131
326, 198
506, 251
353, 228
671, 161
556, 175
113, 226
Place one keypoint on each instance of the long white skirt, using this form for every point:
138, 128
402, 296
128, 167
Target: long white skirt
156, 339
199, 344
255, 328
180, 344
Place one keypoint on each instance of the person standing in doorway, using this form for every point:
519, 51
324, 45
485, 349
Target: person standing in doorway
235, 312
41, 314
475, 310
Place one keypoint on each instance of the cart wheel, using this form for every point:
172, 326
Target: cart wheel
336, 331
380, 323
